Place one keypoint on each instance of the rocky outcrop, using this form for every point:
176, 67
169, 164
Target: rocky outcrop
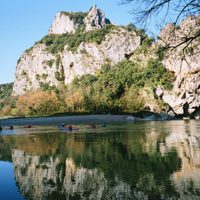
90, 56
68, 22
62, 24
184, 61
38, 67
34, 69
95, 19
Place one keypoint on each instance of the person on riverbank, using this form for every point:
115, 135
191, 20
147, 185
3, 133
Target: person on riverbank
1, 128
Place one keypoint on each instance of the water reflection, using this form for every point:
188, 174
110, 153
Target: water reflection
155, 160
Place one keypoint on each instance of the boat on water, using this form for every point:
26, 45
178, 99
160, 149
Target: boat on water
63, 128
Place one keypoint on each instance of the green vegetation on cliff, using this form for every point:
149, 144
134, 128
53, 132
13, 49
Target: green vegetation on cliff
120, 87
56, 43
77, 17
117, 88
123, 87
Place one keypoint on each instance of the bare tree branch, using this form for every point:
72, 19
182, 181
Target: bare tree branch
183, 9
145, 10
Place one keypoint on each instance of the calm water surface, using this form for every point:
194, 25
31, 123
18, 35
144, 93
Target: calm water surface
144, 160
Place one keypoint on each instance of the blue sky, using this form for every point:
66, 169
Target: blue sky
25, 21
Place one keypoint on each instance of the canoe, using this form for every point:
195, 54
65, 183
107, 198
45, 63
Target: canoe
68, 129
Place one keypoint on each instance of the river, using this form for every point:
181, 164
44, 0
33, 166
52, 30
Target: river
133, 160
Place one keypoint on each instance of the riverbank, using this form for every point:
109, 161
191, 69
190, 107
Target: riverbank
80, 119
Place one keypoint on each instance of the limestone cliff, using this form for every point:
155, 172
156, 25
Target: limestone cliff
39, 66
80, 43
184, 61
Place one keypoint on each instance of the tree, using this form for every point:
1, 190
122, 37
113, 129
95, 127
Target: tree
37, 103
144, 10
132, 101
75, 100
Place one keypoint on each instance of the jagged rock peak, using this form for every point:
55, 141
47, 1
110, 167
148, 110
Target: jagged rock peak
62, 24
68, 22
95, 19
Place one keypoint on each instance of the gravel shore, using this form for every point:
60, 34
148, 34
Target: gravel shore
84, 119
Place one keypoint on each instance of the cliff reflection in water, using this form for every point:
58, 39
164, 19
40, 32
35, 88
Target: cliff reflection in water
144, 161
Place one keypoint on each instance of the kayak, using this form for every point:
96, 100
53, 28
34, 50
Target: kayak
68, 129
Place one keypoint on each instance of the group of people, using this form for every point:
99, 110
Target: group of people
10, 127
91, 125
70, 127
67, 126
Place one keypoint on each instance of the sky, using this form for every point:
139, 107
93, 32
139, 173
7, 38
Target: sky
23, 22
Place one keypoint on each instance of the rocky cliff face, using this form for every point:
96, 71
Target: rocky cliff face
37, 66
95, 19
62, 24
184, 62
41, 65
68, 22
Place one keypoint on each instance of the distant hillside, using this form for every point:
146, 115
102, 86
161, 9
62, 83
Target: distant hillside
5, 93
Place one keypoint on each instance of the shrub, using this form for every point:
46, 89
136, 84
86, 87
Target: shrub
132, 100
58, 60
56, 43
50, 62
147, 42
5, 96
118, 83
84, 81
77, 17
60, 75
74, 101
156, 75
37, 77
161, 52
37, 103
6, 110
44, 76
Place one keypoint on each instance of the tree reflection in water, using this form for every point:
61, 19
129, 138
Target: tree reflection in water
144, 161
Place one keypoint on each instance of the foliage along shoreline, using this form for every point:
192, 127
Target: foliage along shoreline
113, 89
124, 87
